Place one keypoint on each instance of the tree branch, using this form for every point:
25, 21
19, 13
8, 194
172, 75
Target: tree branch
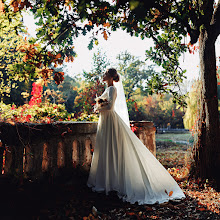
207, 8
171, 59
58, 36
215, 23
194, 33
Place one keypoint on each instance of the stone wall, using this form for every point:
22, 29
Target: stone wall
145, 130
37, 150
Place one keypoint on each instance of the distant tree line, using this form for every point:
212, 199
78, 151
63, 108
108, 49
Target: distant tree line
78, 94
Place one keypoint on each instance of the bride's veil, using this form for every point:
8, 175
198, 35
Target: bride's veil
120, 102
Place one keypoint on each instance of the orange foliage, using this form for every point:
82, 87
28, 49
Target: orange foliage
170, 193
46, 73
58, 77
206, 197
192, 48
1, 6
19, 5
106, 24
15, 4
69, 59
105, 35
58, 55
34, 57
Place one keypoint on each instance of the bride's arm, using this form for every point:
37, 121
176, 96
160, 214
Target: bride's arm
103, 96
108, 105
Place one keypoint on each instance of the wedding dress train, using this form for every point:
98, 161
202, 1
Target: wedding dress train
122, 163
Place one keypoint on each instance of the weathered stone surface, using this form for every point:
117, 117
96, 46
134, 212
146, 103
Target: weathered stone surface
145, 130
36, 149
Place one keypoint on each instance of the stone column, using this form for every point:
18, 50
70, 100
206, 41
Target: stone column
145, 131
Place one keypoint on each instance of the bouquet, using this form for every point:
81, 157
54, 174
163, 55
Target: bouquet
100, 102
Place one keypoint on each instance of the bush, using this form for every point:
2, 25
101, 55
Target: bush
43, 113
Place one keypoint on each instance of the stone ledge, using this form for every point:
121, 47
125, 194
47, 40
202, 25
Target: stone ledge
32, 150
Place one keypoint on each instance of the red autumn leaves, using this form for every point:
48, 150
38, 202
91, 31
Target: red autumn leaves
19, 5
36, 94
36, 59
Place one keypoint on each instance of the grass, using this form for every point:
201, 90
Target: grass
173, 149
173, 137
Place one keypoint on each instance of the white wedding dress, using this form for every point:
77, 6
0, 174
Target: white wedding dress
122, 163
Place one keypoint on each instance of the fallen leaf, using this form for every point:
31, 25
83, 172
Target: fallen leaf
105, 35
170, 193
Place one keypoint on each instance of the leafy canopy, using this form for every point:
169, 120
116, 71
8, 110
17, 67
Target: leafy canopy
166, 22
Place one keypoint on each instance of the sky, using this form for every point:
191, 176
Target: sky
119, 41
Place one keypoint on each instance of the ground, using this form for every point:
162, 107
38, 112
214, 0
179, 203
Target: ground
70, 198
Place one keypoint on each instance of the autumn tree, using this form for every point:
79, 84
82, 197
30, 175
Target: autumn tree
193, 100
93, 85
167, 23
163, 112
11, 85
64, 93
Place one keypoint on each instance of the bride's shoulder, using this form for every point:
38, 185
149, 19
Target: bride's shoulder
112, 87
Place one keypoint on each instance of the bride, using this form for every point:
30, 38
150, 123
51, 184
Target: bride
121, 162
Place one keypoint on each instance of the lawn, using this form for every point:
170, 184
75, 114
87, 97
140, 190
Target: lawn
173, 149
174, 139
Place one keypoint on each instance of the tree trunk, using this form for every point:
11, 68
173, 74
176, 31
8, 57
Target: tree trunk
207, 149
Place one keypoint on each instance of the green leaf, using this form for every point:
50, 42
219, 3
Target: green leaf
133, 4
90, 46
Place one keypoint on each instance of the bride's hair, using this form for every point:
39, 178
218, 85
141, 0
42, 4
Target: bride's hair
113, 73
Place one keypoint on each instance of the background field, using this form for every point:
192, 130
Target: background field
174, 149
